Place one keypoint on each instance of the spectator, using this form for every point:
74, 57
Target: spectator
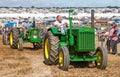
106, 34
118, 32
114, 38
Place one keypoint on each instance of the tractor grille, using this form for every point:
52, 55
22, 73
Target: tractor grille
86, 41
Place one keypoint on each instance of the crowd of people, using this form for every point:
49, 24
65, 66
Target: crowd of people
112, 35
112, 38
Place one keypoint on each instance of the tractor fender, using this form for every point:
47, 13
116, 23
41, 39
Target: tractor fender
62, 44
54, 30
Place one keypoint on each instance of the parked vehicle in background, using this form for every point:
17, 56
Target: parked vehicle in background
25, 34
6, 32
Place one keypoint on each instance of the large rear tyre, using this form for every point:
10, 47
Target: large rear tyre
20, 44
51, 49
101, 63
64, 59
14, 34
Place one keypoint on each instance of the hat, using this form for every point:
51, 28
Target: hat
114, 25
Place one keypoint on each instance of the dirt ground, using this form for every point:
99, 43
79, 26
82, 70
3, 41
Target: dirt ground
29, 63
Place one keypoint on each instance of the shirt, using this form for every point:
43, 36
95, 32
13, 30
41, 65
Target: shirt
27, 25
111, 34
106, 34
118, 32
63, 22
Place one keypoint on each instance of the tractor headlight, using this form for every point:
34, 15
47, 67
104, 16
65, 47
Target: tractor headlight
35, 34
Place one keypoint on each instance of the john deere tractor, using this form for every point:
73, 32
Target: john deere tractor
74, 45
18, 37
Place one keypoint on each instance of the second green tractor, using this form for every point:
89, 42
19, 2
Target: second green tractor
18, 37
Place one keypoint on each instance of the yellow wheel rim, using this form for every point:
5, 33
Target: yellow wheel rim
61, 58
11, 38
47, 48
99, 61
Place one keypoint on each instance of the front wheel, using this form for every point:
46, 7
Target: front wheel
101, 63
37, 45
64, 59
20, 44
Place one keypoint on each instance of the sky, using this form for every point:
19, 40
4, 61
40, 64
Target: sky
59, 3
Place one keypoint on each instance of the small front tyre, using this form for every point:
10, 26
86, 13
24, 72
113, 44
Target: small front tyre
101, 63
20, 44
64, 59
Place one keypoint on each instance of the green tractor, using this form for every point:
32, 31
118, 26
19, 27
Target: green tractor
18, 37
76, 45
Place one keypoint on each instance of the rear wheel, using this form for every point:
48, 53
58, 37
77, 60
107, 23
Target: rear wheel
51, 48
14, 33
64, 60
20, 44
101, 63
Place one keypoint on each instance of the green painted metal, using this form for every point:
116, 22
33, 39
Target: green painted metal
55, 31
61, 44
33, 36
84, 39
83, 58
71, 38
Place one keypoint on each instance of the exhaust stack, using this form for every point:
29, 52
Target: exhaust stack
92, 18
33, 22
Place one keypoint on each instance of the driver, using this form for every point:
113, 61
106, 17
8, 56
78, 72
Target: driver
60, 23
26, 25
